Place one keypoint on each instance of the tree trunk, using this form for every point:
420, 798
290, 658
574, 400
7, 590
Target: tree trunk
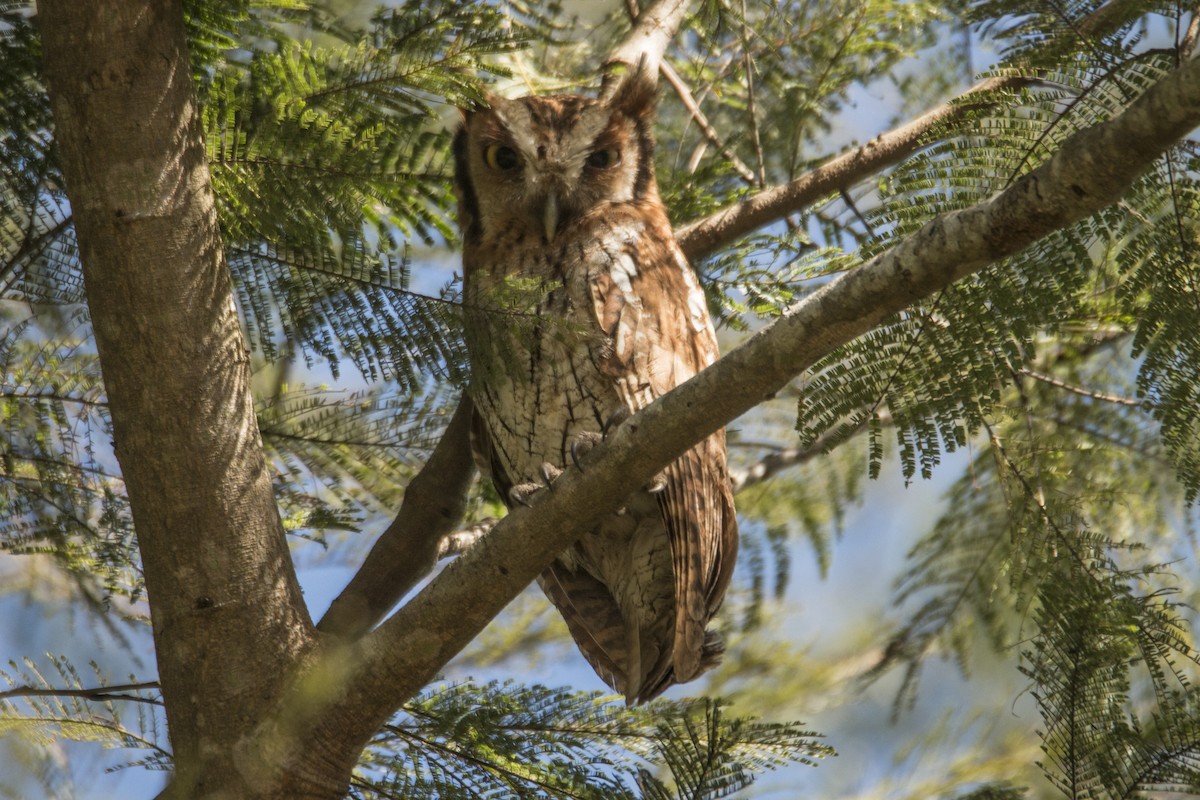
227, 612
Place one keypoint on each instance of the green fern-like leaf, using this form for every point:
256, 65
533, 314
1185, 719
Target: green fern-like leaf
501, 740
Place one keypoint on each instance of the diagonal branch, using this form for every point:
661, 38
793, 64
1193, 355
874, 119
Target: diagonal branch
1092, 170
407, 551
770, 465
704, 236
710, 133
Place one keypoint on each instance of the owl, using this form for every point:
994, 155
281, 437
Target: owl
582, 308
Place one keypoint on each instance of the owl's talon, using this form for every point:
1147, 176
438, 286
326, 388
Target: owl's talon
657, 483
522, 493
615, 419
549, 474
583, 445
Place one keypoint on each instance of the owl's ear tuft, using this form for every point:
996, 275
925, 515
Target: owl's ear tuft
637, 93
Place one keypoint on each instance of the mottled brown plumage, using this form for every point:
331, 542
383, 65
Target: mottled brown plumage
583, 306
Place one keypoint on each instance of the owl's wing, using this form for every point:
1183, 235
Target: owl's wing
586, 604
649, 305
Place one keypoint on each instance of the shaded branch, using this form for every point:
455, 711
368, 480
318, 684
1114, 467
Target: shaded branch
719, 229
408, 550
772, 464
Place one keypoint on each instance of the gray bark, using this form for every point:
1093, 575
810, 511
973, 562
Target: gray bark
227, 612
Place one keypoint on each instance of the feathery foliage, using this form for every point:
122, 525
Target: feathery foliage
49, 703
501, 740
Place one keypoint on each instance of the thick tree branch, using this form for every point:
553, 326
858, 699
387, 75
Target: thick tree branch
1092, 170
434, 502
702, 237
767, 467
653, 30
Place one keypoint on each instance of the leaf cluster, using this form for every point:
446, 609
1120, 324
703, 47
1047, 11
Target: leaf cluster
501, 740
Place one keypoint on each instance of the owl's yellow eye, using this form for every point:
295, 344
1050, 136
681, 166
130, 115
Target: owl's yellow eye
603, 159
498, 156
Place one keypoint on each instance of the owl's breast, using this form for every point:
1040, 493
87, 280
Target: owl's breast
534, 379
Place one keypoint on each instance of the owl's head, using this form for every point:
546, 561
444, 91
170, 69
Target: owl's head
538, 163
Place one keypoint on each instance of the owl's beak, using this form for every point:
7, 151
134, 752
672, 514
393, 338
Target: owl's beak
550, 216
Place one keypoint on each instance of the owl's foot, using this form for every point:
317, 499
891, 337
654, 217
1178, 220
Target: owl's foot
586, 441
657, 483
615, 419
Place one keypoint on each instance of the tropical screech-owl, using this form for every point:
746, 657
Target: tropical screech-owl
582, 307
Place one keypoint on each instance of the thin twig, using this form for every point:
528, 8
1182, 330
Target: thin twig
684, 93
1081, 391
775, 462
710, 133
116, 691
751, 108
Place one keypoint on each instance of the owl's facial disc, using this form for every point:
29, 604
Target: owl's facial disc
540, 164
